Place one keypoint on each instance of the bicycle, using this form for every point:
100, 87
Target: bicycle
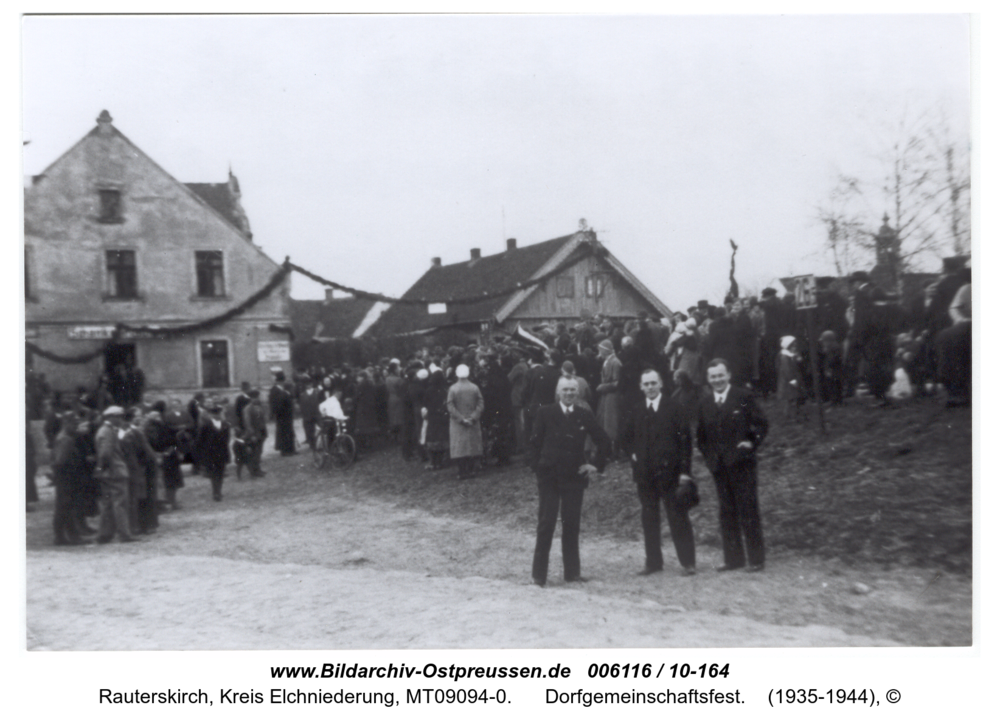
333, 443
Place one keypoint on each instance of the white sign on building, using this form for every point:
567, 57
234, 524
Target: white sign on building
268, 351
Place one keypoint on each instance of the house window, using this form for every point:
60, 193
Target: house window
437, 308
596, 284
122, 281
214, 364
111, 206
208, 266
564, 287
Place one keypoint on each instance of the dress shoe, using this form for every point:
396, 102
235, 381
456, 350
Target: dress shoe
127, 539
579, 579
538, 582
649, 570
756, 567
728, 567
688, 571
104, 539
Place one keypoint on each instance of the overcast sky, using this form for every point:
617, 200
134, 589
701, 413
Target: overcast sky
366, 145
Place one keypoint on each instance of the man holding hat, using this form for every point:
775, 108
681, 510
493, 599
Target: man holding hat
112, 472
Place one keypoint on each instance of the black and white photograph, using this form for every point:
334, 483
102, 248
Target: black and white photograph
498, 332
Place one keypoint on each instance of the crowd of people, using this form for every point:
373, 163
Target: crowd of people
115, 454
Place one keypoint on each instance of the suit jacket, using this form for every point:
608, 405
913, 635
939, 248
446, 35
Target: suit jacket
542, 381
660, 441
110, 455
212, 445
720, 430
254, 424
557, 440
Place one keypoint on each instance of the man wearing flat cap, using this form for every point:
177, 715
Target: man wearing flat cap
112, 472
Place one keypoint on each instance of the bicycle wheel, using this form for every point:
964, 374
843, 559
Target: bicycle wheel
343, 452
321, 452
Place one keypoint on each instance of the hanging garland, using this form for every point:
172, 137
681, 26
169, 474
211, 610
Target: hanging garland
78, 359
175, 331
276, 280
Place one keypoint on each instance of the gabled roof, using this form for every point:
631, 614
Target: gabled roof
488, 274
228, 209
493, 274
336, 318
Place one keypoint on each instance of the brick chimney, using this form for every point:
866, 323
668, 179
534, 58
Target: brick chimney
511, 244
329, 294
436, 262
474, 253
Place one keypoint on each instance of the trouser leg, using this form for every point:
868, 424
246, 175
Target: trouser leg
680, 531
729, 523
63, 523
650, 505
133, 509
309, 426
548, 512
748, 510
572, 506
216, 474
114, 509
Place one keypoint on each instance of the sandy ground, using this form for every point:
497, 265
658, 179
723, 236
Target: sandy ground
300, 561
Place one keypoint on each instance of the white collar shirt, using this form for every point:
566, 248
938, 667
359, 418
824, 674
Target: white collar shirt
720, 397
654, 404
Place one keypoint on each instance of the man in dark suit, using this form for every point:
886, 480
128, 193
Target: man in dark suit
557, 458
731, 427
658, 438
540, 390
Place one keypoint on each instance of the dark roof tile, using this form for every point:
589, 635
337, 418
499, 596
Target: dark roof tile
327, 319
488, 274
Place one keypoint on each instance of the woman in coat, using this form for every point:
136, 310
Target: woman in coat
395, 388
435, 412
465, 408
608, 391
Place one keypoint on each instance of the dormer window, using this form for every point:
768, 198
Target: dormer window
111, 206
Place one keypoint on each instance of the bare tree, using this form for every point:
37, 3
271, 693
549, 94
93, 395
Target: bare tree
923, 190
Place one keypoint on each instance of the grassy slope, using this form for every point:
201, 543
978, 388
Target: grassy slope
884, 486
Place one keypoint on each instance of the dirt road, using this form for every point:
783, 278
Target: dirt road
300, 560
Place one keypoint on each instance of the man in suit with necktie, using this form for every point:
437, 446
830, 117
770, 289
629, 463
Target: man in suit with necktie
658, 439
731, 427
557, 458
